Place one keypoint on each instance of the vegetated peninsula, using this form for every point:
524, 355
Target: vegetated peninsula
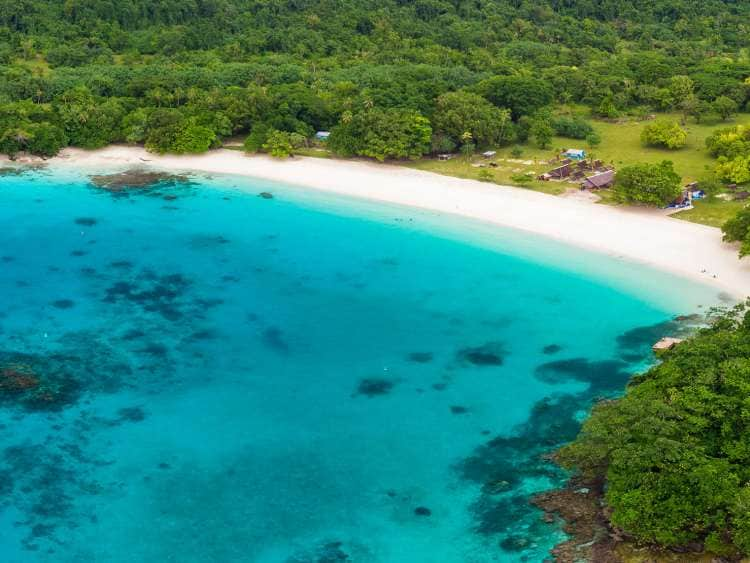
669, 460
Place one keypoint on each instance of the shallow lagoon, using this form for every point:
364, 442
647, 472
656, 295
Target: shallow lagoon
202, 374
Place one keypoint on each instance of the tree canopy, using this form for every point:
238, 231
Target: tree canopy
182, 76
664, 133
648, 184
737, 229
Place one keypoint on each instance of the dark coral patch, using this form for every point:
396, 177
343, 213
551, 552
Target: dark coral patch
505, 462
457, 409
56, 380
133, 334
514, 543
487, 355
420, 357
422, 511
154, 349
121, 264
208, 241
603, 376
551, 349
327, 552
131, 414
204, 334
373, 387
138, 180
78, 253
154, 294
640, 339
63, 304
265, 195
273, 338
86, 221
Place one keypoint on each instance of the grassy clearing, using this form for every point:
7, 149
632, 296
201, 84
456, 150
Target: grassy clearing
714, 213
620, 146
508, 166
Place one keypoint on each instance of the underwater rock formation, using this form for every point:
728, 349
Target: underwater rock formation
489, 354
372, 387
137, 179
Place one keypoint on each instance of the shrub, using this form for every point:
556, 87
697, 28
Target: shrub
648, 184
278, 144
486, 175
255, 140
572, 127
664, 133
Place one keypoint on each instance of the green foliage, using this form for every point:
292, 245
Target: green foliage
278, 144
486, 175
664, 133
674, 449
648, 184
88, 121
256, 139
607, 108
738, 230
725, 106
522, 178
729, 143
382, 134
441, 143
593, 139
542, 129
459, 112
523, 95
572, 127
735, 170
45, 139
192, 138
105, 71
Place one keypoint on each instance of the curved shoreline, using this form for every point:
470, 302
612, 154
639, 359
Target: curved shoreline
648, 237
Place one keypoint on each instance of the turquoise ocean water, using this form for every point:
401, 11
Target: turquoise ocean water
195, 373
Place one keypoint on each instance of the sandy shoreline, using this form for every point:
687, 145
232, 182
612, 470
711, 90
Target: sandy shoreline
686, 249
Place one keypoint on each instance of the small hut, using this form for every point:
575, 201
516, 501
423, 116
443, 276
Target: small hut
739, 196
322, 135
560, 172
599, 181
489, 154
575, 154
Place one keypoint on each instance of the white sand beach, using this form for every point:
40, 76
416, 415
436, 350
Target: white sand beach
643, 236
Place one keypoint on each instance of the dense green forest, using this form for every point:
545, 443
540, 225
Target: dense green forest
389, 78
675, 450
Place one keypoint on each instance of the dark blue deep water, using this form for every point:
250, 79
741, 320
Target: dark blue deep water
190, 372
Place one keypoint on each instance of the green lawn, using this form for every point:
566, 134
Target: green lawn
463, 168
621, 145
714, 213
